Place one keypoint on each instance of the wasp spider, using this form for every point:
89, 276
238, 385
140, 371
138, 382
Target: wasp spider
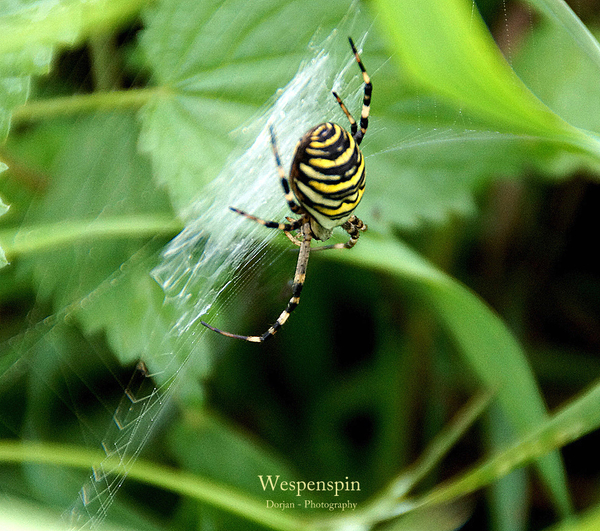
325, 185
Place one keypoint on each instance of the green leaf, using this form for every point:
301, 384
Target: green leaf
13, 92
560, 74
562, 15
390, 502
509, 500
217, 63
31, 29
415, 172
25, 26
99, 212
430, 177
99, 177
463, 64
188, 141
487, 346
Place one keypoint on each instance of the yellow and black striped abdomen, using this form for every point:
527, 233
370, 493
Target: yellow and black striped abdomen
328, 176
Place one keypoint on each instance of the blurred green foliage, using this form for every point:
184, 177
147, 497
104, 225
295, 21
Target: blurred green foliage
117, 114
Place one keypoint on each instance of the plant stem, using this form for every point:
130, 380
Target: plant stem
80, 103
37, 238
218, 495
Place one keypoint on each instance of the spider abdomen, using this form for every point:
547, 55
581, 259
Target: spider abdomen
328, 176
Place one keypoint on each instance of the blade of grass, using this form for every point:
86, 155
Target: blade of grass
572, 422
590, 521
385, 505
186, 484
19, 515
487, 346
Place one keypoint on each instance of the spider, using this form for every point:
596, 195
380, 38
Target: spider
325, 185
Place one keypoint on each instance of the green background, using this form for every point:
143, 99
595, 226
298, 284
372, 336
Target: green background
476, 277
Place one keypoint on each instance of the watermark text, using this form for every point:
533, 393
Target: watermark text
274, 483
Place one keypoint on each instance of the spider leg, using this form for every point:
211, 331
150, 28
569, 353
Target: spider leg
289, 196
353, 126
296, 224
299, 278
354, 226
296, 240
364, 115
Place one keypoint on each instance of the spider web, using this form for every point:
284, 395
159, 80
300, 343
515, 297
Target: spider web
200, 263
